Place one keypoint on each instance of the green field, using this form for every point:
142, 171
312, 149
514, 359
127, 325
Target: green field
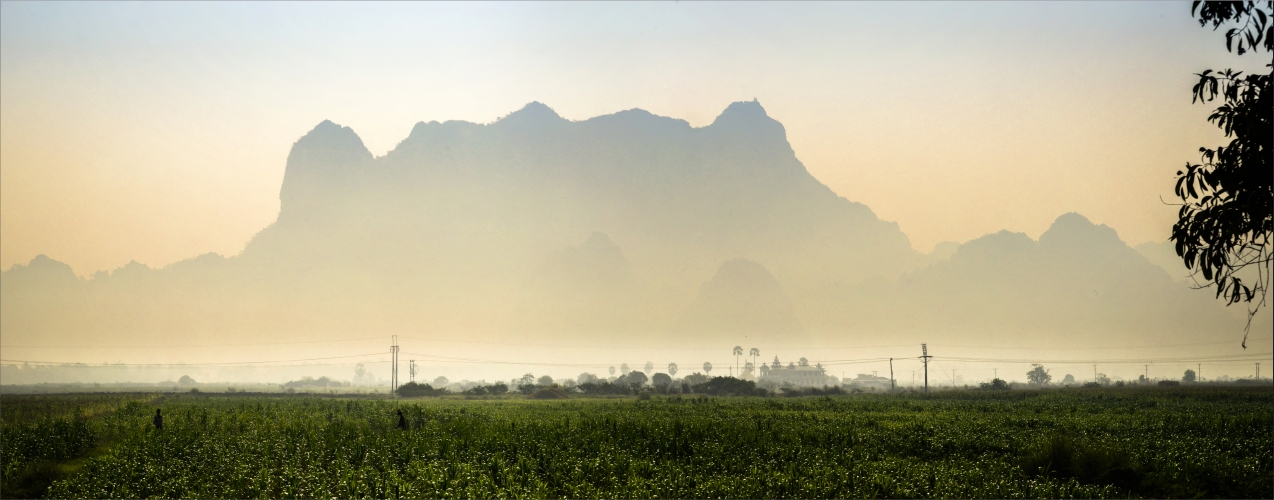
1151, 442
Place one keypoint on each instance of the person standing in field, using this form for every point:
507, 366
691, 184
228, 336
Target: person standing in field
402, 421
159, 420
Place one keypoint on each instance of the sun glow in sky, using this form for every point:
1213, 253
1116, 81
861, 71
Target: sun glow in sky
159, 131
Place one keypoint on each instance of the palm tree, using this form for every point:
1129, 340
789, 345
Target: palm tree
672, 369
738, 351
623, 368
707, 367
612, 371
649, 367
754, 353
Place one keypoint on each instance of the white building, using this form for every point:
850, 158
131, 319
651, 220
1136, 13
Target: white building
799, 375
869, 382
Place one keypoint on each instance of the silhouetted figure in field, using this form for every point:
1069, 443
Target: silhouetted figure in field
402, 421
159, 420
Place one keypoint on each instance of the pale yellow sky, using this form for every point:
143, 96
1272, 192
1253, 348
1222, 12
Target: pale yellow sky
158, 131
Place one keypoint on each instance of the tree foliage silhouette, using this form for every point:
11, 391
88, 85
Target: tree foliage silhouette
1224, 224
1038, 375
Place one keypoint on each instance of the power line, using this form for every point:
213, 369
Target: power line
614, 347
192, 345
228, 363
503, 362
1182, 359
1164, 346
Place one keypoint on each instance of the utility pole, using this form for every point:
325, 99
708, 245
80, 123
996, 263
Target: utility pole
953, 378
393, 372
996, 372
1258, 370
411, 370
891, 374
1094, 374
1198, 374
924, 355
1147, 375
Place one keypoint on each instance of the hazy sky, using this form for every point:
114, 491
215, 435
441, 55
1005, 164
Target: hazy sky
158, 131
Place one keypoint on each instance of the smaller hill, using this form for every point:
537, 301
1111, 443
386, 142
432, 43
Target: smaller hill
742, 299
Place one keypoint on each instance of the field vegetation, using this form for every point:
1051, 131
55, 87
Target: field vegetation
1132, 442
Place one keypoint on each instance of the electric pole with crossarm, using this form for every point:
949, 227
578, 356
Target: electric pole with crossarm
924, 351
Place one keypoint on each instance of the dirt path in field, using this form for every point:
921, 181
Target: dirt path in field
40, 476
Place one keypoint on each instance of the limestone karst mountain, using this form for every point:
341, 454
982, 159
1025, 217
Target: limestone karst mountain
454, 228
628, 224
1079, 283
744, 300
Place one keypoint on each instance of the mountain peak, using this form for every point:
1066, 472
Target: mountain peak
742, 111
322, 159
747, 121
534, 113
1073, 230
328, 143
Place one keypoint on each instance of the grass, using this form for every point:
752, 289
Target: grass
1156, 442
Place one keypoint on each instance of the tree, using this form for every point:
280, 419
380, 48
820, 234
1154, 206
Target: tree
649, 367
694, 379
1189, 377
359, 371
586, 378
672, 369
612, 371
738, 351
526, 380
803, 362
1225, 221
995, 385
636, 379
1038, 375
755, 353
707, 367
623, 369
544, 381
186, 380
1068, 379
441, 381
661, 381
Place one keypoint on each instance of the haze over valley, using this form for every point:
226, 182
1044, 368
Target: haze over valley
535, 238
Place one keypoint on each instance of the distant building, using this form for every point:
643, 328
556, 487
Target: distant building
799, 375
869, 382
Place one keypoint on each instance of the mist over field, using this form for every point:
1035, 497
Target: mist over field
622, 237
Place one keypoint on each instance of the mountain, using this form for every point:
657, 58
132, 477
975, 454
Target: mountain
628, 226
1078, 283
743, 298
478, 228
1164, 255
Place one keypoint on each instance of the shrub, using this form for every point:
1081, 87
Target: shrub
729, 386
412, 389
552, 392
1061, 456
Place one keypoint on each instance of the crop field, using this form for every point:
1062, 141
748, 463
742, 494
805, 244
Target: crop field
1170, 442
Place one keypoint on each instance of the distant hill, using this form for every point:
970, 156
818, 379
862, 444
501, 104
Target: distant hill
479, 227
628, 225
1164, 255
1078, 283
